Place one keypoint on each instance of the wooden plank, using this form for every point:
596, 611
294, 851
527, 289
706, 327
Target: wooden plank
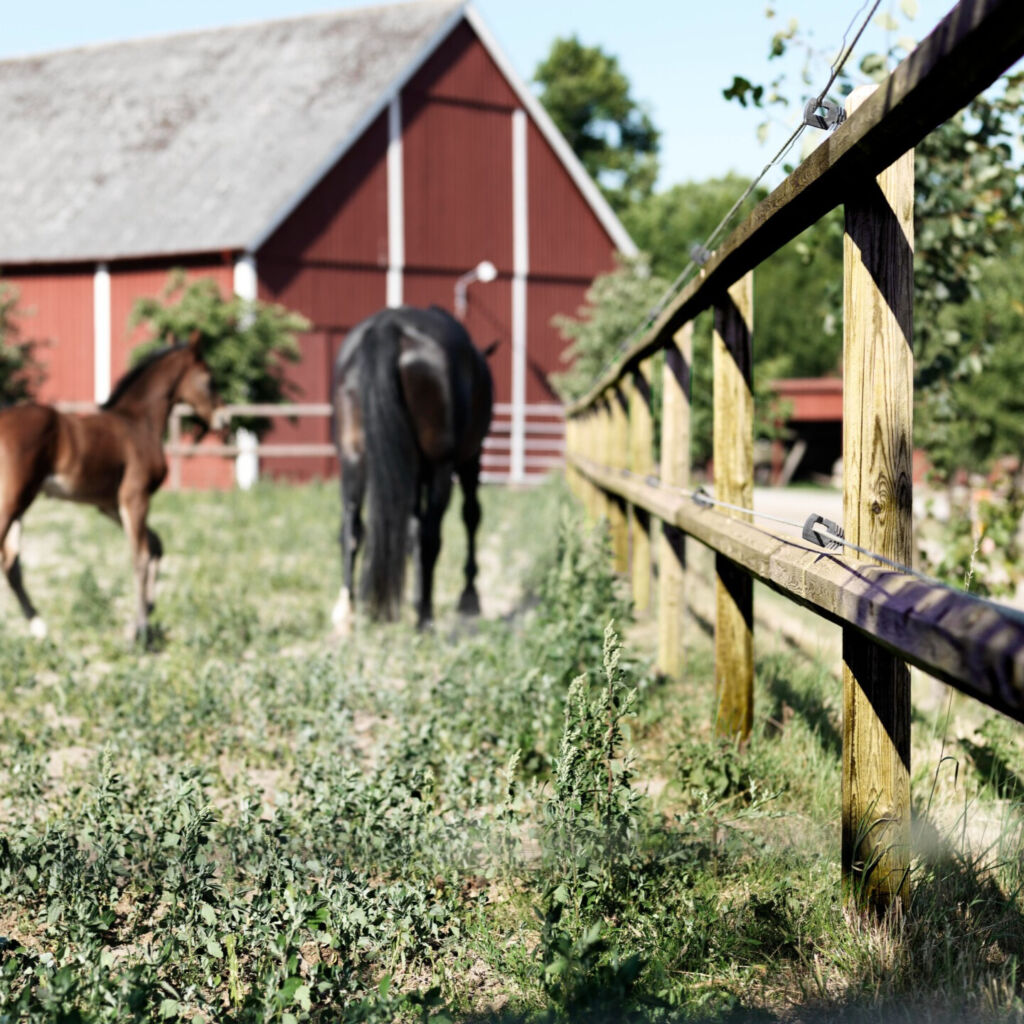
974, 645
733, 403
968, 50
675, 472
601, 441
641, 462
617, 455
878, 402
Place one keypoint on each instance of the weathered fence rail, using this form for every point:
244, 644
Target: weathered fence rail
890, 618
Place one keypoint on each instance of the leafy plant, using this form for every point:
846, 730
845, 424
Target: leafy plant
21, 373
244, 342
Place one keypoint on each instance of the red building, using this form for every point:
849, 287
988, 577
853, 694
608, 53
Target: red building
334, 163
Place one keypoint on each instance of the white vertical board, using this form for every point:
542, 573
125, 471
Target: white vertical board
520, 270
396, 203
101, 333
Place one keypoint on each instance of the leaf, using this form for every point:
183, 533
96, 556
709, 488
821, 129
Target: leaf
302, 997
909, 8
887, 22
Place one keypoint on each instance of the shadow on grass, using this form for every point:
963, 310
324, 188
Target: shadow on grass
776, 678
994, 767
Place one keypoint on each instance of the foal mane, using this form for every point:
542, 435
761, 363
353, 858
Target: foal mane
130, 378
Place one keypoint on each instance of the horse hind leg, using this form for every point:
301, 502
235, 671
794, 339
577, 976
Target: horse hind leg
12, 570
469, 601
438, 493
353, 487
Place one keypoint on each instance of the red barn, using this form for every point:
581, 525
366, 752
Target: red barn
334, 163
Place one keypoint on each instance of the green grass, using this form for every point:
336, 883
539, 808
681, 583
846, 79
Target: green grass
510, 820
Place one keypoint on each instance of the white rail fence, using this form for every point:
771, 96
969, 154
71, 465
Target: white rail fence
543, 442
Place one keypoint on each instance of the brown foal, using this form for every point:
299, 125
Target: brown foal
112, 459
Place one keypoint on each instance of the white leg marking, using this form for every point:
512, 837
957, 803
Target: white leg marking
12, 545
341, 613
37, 627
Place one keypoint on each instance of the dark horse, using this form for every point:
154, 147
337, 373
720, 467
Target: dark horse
412, 405
112, 459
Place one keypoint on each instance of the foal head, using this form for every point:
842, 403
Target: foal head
195, 386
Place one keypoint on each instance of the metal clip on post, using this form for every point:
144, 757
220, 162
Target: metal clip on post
699, 254
702, 498
834, 114
815, 536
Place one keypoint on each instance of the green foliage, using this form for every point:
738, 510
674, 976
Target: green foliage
244, 342
796, 287
512, 821
617, 304
978, 546
588, 97
968, 215
21, 374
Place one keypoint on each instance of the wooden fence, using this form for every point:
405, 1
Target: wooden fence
890, 618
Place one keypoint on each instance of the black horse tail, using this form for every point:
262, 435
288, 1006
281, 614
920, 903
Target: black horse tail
392, 467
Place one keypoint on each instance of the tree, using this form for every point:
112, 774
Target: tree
244, 342
21, 374
588, 97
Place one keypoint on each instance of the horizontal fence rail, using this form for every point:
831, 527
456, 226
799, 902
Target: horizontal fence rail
544, 440
891, 616
970, 643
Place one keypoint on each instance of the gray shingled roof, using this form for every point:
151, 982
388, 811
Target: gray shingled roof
190, 143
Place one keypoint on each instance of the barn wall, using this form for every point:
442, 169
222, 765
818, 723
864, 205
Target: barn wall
55, 308
567, 240
457, 141
328, 261
329, 258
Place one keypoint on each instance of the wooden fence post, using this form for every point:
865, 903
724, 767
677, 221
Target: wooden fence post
616, 456
734, 483
600, 453
675, 472
641, 462
878, 371
573, 447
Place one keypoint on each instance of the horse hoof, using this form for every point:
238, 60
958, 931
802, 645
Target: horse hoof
37, 627
469, 603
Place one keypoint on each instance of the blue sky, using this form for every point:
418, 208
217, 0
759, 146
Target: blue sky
678, 54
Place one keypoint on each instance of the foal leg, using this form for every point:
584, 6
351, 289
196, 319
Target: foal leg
11, 534
133, 509
353, 487
438, 492
156, 552
469, 478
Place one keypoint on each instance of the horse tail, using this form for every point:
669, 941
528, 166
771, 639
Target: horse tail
392, 468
